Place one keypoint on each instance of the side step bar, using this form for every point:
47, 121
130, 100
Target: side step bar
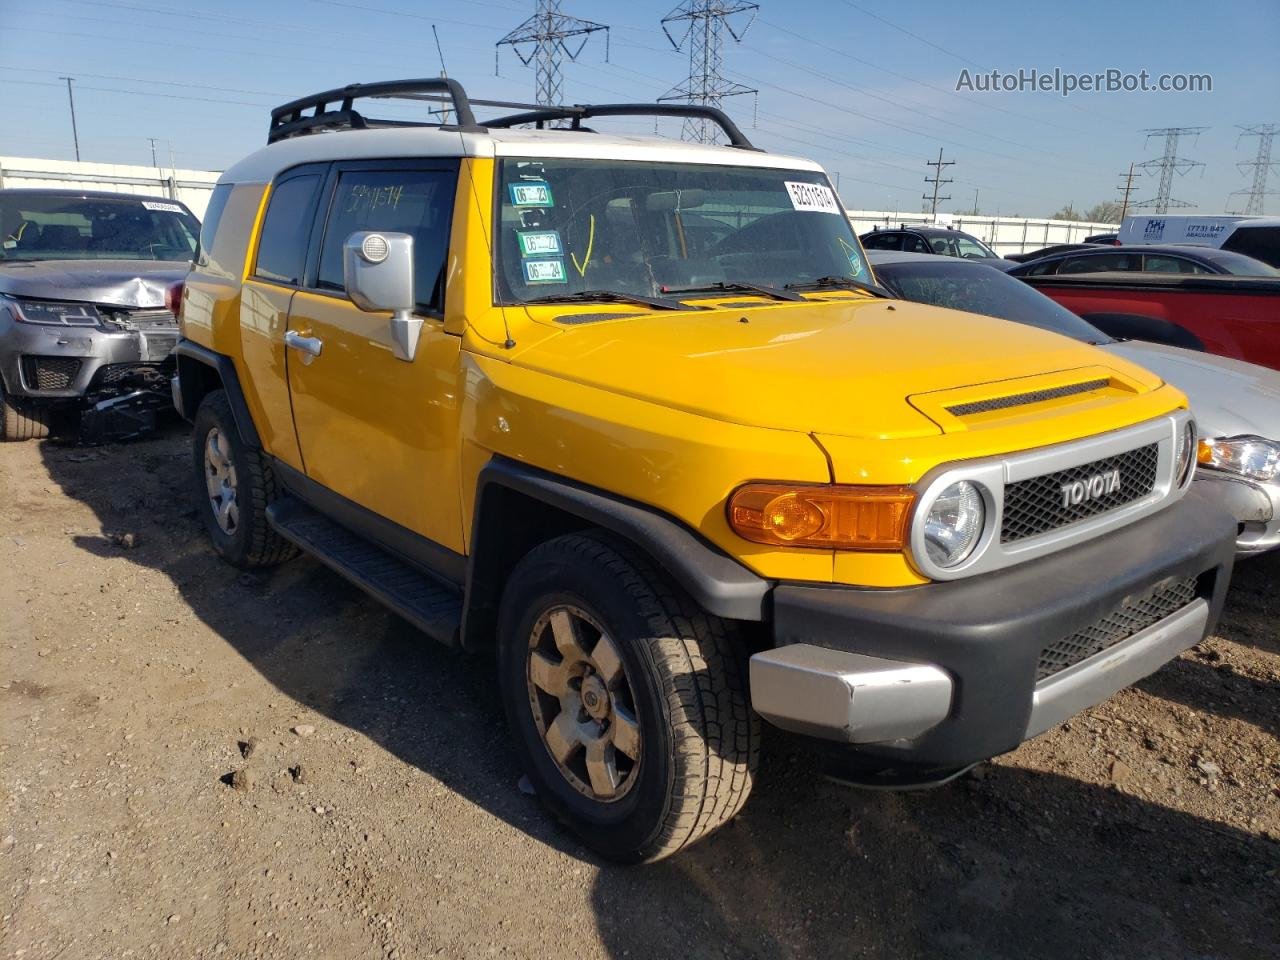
426, 602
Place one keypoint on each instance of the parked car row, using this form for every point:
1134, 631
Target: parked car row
646, 427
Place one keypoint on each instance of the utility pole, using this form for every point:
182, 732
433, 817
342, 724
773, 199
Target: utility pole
975, 201
545, 40
1126, 190
1261, 164
72, 100
153, 151
1168, 164
937, 181
701, 25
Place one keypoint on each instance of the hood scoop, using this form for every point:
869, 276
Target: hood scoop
1034, 396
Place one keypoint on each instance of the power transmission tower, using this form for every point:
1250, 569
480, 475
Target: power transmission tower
701, 25
1125, 189
1168, 164
545, 40
1261, 164
937, 180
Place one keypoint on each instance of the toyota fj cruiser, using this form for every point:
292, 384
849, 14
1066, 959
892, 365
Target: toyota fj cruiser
634, 415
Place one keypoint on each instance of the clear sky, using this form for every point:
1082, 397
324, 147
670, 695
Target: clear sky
867, 88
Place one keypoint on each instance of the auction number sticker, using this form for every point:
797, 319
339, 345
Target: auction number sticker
541, 243
531, 193
157, 205
813, 197
544, 271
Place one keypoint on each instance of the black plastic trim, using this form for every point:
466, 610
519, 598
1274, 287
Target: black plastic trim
287, 120
420, 552
225, 367
988, 631
582, 111
720, 584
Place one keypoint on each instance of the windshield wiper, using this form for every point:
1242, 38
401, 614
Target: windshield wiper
773, 293
850, 282
612, 296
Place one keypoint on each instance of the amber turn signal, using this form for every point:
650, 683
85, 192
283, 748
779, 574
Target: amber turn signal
834, 517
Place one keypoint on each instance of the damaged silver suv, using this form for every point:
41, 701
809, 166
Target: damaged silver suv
85, 333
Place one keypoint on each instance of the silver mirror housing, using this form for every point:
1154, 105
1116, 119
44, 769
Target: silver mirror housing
377, 270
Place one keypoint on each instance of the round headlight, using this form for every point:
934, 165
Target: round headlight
954, 524
1185, 453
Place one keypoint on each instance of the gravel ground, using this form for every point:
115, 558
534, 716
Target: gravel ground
197, 762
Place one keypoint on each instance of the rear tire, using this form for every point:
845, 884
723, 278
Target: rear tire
22, 421
233, 486
650, 675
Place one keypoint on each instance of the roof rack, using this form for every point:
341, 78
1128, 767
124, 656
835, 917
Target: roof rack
289, 120
579, 112
334, 110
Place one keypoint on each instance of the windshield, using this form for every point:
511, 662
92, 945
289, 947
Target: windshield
46, 226
569, 227
985, 290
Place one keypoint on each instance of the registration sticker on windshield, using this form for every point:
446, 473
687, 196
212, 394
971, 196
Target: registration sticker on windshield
544, 271
812, 197
157, 205
531, 193
539, 243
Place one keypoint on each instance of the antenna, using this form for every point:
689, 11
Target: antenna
704, 24
444, 72
1168, 164
544, 40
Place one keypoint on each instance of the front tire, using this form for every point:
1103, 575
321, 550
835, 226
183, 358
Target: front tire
22, 421
628, 703
233, 486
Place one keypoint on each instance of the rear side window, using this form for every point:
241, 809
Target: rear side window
209, 227
416, 202
1100, 263
883, 241
1155, 263
282, 248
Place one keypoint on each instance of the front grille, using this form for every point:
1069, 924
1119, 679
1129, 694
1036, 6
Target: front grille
1019, 399
50, 373
1134, 614
1036, 506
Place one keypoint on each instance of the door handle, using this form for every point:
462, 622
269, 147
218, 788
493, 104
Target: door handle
308, 345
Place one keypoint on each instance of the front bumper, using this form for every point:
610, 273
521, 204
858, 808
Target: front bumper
82, 357
1256, 507
941, 676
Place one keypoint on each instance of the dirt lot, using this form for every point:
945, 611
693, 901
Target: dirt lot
376, 809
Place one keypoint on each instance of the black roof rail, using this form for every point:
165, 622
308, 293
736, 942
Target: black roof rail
579, 112
290, 119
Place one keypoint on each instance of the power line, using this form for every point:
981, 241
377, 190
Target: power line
1261, 164
1126, 189
701, 24
544, 40
1168, 164
937, 180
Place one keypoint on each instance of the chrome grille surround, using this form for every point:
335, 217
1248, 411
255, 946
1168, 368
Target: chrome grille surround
994, 474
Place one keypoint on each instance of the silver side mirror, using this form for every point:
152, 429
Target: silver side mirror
377, 270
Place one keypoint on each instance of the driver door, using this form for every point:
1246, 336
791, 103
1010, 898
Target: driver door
378, 431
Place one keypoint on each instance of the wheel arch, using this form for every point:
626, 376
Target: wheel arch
200, 372
1136, 326
519, 507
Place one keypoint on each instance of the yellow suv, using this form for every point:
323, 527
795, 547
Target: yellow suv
634, 415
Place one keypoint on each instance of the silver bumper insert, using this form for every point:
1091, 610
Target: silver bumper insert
848, 696
1063, 695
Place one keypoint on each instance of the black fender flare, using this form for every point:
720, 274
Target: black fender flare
200, 371
721, 585
1136, 326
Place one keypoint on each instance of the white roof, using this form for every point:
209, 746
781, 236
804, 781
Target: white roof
262, 166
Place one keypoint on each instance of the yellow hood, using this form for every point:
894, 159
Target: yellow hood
845, 368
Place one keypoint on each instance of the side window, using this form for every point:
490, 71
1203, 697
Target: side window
914, 243
1154, 263
1100, 263
1043, 269
882, 241
944, 246
212, 217
416, 202
282, 248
